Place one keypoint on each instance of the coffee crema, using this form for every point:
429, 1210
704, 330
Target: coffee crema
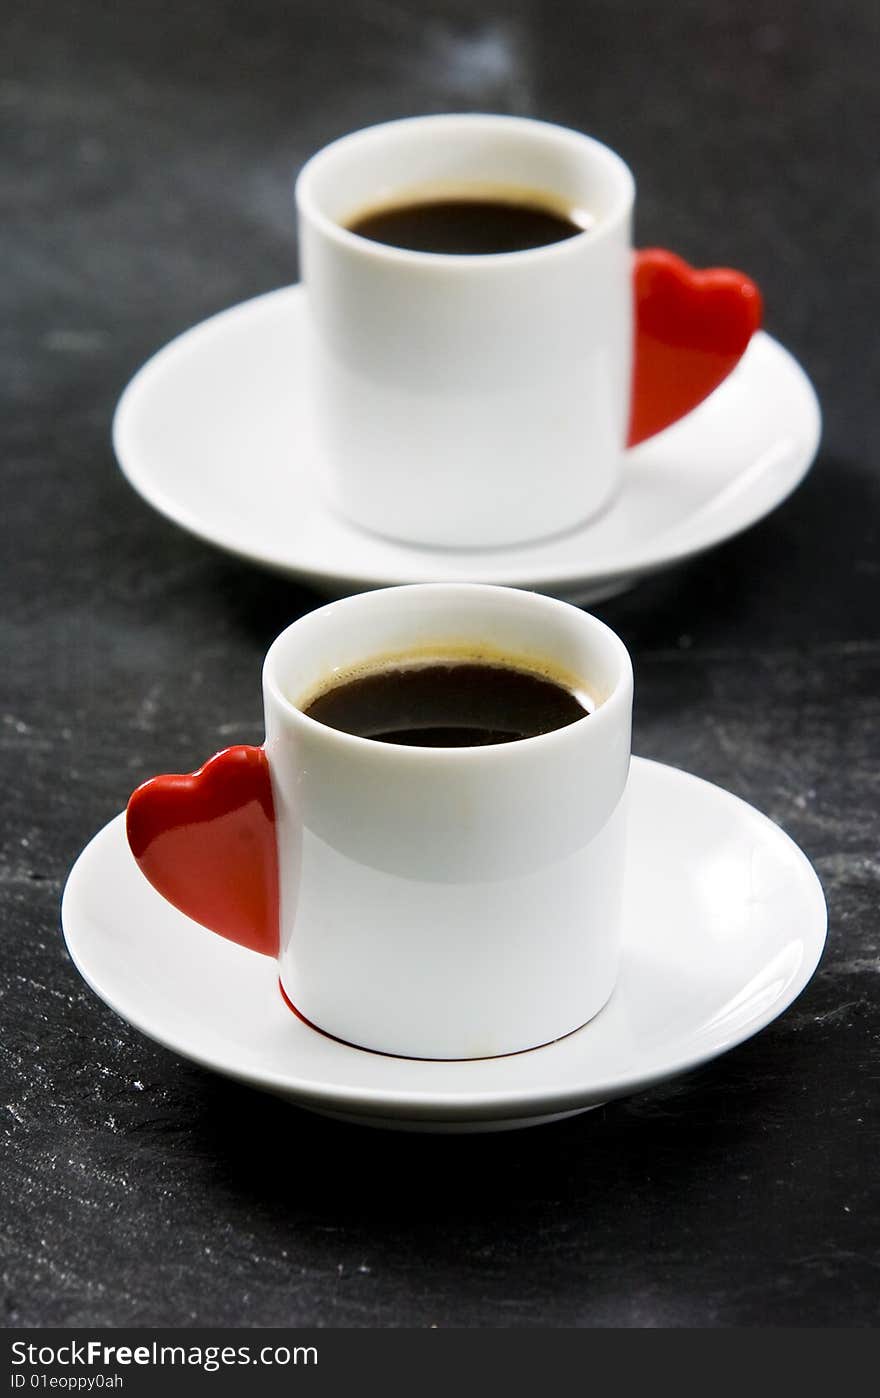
447, 704
471, 225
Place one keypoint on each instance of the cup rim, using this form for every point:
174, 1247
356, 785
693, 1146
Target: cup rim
309, 209
606, 711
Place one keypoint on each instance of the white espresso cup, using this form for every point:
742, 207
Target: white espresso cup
444, 903
486, 400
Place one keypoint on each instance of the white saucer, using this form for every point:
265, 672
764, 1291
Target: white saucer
212, 433
724, 924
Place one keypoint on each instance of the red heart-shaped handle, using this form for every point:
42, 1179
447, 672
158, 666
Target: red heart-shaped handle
206, 842
691, 329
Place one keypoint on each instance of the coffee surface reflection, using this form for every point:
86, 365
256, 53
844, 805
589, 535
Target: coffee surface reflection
447, 704
469, 226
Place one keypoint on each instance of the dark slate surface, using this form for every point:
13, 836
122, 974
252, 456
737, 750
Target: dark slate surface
148, 182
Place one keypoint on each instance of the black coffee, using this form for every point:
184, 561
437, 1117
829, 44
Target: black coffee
447, 704
466, 226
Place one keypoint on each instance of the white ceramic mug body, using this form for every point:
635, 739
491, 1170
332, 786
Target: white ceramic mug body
455, 902
468, 401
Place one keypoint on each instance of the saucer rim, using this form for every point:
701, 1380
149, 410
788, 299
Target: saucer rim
488, 1105
652, 557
